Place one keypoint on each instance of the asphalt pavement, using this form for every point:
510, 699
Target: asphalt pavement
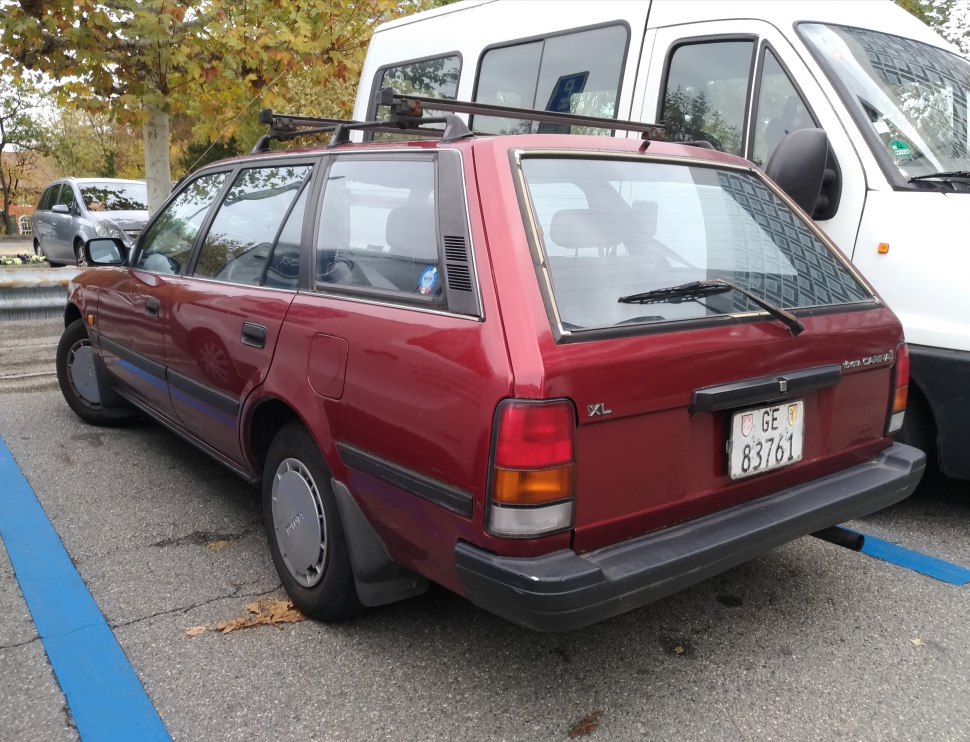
809, 642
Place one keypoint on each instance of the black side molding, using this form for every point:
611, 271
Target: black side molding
764, 389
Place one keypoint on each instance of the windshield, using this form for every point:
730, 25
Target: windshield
611, 228
914, 96
115, 196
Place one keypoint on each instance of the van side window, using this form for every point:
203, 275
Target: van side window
436, 78
240, 242
780, 111
572, 73
47, 199
706, 91
378, 229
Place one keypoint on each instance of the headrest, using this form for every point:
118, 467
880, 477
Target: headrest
576, 228
411, 231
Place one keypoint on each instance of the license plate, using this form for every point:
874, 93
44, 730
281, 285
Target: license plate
766, 438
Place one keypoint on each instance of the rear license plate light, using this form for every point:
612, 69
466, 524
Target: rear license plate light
766, 438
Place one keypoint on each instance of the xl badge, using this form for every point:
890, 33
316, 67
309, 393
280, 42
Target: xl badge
598, 410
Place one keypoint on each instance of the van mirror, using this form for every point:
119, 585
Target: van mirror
804, 167
60, 209
105, 251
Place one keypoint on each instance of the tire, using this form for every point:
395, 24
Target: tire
79, 259
919, 431
77, 378
302, 522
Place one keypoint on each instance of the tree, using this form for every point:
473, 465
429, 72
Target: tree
947, 17
18, 137
146, 60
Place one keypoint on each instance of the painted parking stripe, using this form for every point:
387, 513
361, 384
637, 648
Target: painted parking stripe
938, 569
102, 690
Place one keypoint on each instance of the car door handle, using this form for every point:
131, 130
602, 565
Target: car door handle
253, 334
152, 306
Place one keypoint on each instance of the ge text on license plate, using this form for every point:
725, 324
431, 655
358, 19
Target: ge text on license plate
766, 438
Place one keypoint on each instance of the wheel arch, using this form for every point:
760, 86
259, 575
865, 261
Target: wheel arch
269, 415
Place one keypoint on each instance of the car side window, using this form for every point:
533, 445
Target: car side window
169, 239
705, 93
378, 229
66, 196
47, 199
239, 247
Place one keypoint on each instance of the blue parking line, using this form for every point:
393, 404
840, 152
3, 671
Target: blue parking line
938, 569
102, 690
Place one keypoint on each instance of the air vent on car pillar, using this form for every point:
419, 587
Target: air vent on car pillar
456, 264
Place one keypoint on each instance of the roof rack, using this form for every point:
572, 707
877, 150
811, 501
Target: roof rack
406, 116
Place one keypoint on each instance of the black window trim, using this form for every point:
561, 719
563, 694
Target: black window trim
617, 22
713, 39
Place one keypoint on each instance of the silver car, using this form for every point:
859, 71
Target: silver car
74, 210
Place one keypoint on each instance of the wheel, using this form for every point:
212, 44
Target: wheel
77, 378
79, 259
306, 537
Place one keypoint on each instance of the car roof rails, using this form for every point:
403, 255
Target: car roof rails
406, 116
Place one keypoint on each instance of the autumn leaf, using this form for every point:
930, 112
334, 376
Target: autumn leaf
587, 725
217, 545
263, 613
917, 642
196, 630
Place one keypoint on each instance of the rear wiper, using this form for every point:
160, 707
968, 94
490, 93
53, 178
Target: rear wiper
695, 290
950, 174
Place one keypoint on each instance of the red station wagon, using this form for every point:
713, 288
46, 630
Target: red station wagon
561, 375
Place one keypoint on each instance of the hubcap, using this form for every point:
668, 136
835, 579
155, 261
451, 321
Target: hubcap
80, 364
300, 522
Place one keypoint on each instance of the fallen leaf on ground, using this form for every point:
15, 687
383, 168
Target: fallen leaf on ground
264, 613
917, 642
587, 725
260, 613
217, 545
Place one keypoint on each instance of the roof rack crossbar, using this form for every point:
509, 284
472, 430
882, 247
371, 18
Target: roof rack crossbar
388, 97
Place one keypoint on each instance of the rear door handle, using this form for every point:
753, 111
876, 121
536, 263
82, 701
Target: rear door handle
152, 305
253, 334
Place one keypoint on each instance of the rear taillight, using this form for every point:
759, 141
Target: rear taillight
533, 469
897, 405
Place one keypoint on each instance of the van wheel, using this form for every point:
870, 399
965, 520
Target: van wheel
77, 377
919, 430
37, 247
306, 537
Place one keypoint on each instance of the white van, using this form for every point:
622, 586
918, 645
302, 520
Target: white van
891, 95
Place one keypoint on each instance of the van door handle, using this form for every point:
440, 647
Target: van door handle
152, 305
253, 334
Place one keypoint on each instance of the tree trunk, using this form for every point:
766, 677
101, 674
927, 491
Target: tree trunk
158, 168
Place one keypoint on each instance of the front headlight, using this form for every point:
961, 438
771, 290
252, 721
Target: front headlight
109, 229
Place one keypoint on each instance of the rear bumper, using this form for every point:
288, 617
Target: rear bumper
565, 590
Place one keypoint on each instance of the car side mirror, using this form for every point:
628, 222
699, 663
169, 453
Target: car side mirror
60, 209
804, 167
105, 251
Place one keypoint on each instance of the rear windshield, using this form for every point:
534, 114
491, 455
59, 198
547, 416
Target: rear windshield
115, 196
612, 228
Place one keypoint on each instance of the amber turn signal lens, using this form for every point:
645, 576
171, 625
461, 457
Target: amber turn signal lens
533, 487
